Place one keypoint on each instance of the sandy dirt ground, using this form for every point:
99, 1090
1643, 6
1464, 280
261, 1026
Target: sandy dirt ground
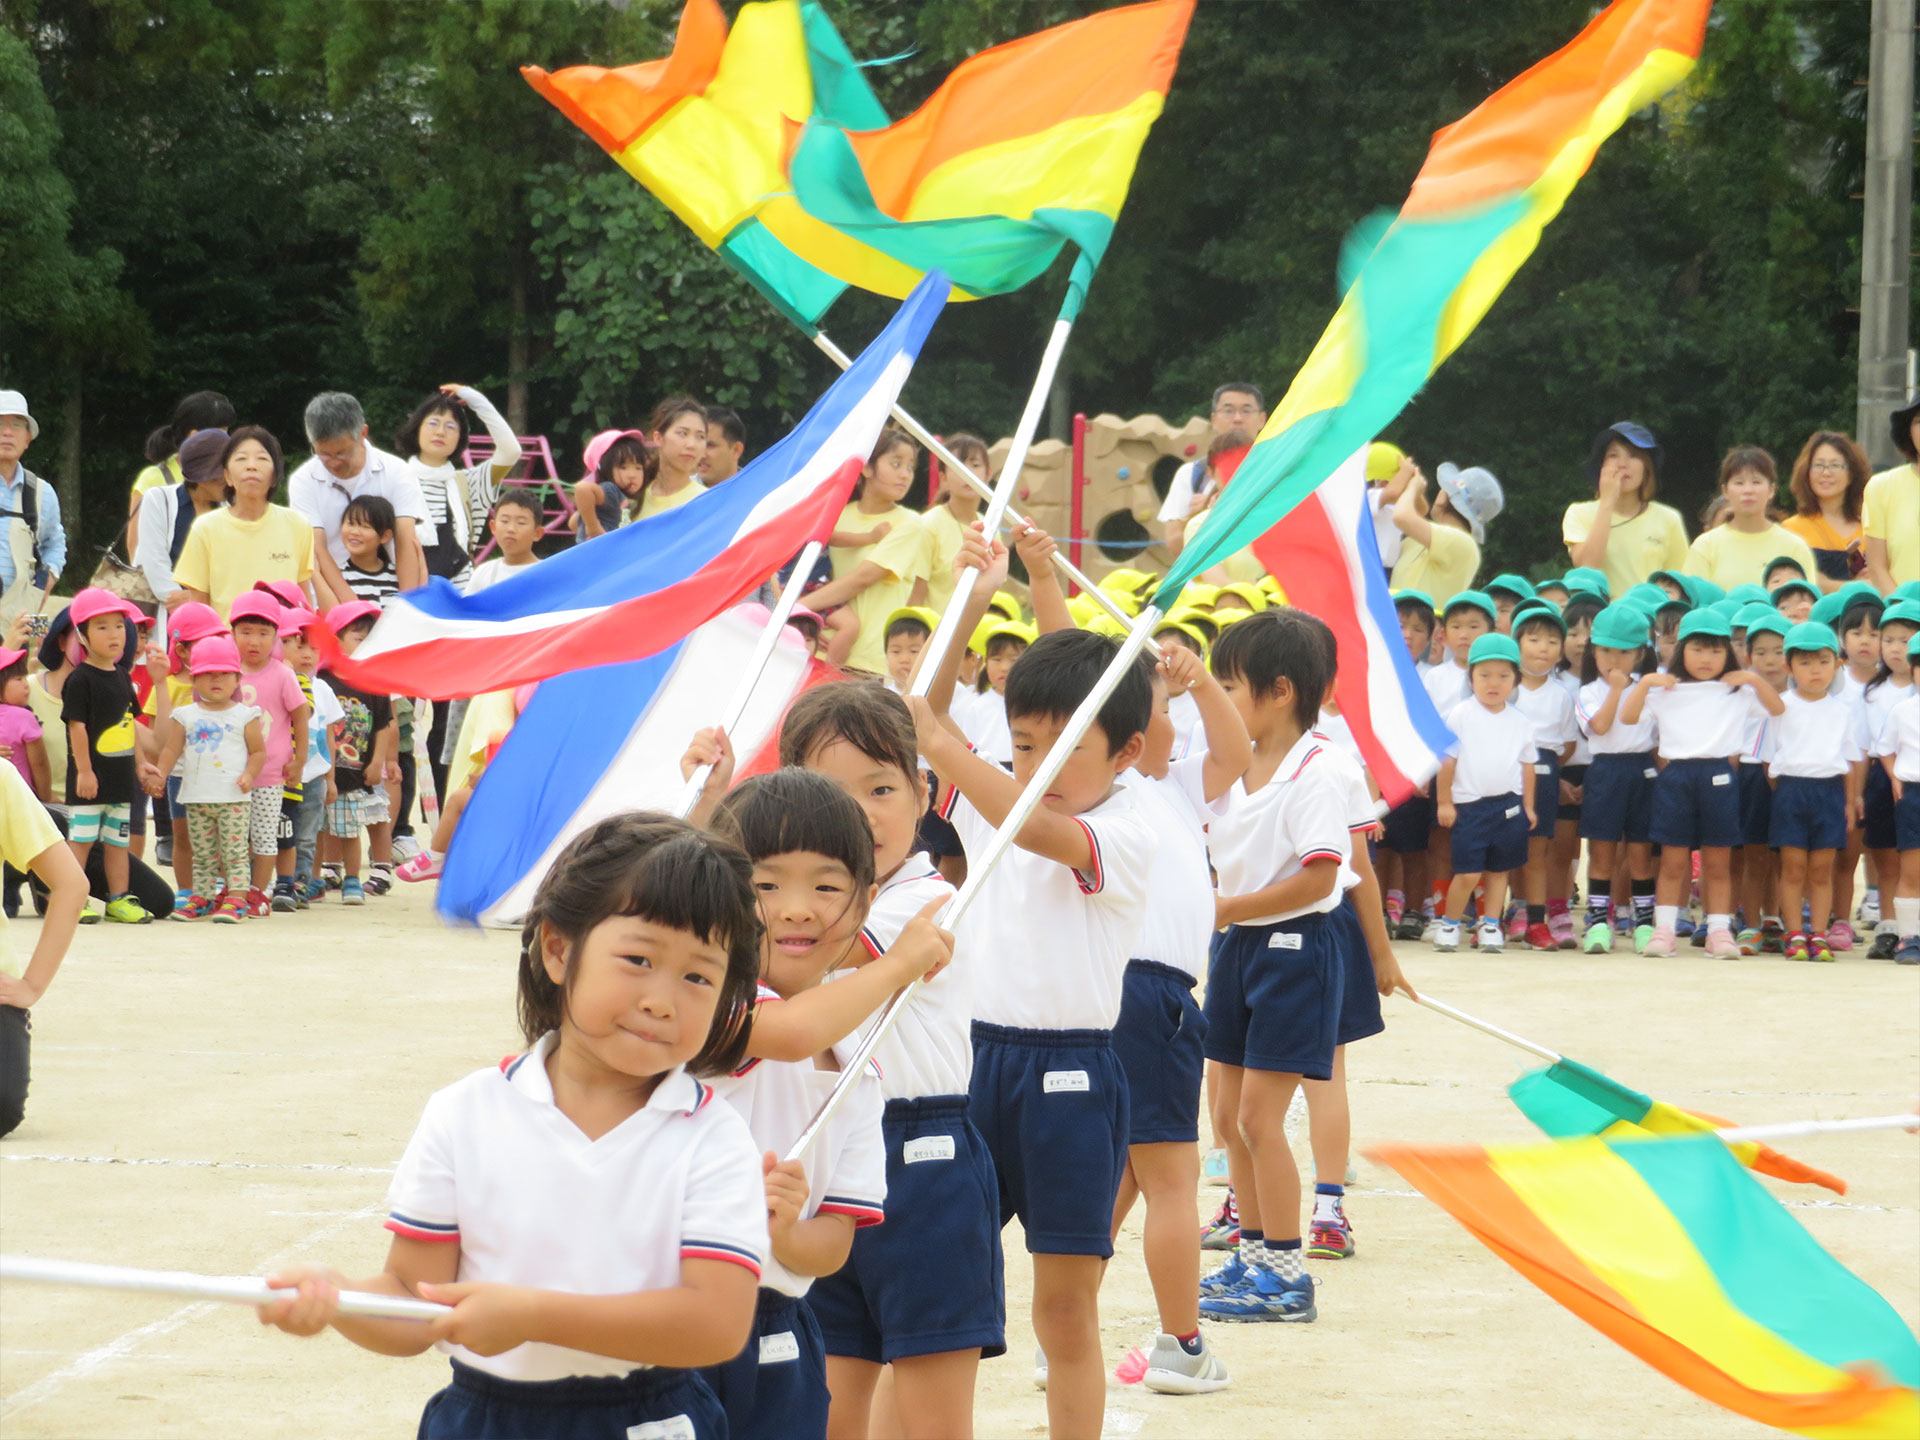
227, 1100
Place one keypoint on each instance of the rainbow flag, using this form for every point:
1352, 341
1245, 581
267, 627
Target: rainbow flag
1671, 1249
1568, 1099
770, 145
1422, 281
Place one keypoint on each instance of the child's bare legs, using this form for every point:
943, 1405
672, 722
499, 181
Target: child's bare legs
1440, 866
114, 862
1793, 885
1757, 883
380, 843
850, 1385
1460, 891
1223, 1104
1716, 879
930, 1397
450, 815
1819, 872
1330, 1122
348, 852
1168, 1175
182, 855
1676, 875
1845, 862
1264, 1097
1565, 862
1066, 1322
1539, 857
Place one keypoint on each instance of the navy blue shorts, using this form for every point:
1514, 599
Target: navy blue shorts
1576, 776
480, 1406
1756, 805
777, 1385
1906, 817
1052, 1108
1408, 826
1696, 803
1359, 996
1880, 832
931, 1278
1273, 997
1546, 794
1809, 814
1160, 1038
1489, 835
1617, 805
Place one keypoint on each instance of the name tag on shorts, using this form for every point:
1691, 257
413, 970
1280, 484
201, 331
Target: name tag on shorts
774, 1349
927, 1147
1723, 779
1512, 810
1652, 772
1283, 940
1065, 1080
1543, 769
674, 1427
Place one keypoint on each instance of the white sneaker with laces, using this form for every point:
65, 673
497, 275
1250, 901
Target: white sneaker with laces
1492, 938
1172, 1371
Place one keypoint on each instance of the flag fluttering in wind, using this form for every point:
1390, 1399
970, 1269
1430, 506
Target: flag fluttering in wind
1492, 181
635, 591
1326, 550
1672, 1250
770, 145
1567, 1099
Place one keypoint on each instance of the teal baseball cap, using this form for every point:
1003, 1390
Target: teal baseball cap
1789, 587
1412, 597
1679, 580
1510, 585
1538, 608
1586, 577
1901, 612
1728, 607
1829, 608
1705, 625
1777, 561
1772, 623
1620, 627
1748, 593
1703, 591
1479, 599
1747, 614
1908, 591
1812, 635
1494, 647
1645, 596
1556, 585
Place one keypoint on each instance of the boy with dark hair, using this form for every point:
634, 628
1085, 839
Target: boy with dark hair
1275, 988
1485, 790
905, 636
1409, 825
1049, 938
516, 526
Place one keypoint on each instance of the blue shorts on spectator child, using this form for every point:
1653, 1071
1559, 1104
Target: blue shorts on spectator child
1489, 835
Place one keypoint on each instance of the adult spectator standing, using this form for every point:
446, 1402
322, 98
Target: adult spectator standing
202, 410
1237, 405
345, 465
457, 500
1623, 530
1828, 481
1739, 550
33, 547
248, 539
1892, 509
168, 512
1440, 547
726, 445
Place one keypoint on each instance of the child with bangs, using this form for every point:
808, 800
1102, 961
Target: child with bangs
1540, 633
366, 529
637, 971
1700, 704
1890, 687
1818, 767
1578, 610
1858, 629
878, 549
1616, 807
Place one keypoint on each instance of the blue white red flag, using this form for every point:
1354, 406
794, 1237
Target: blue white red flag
633, 592
602, 741
1325, 555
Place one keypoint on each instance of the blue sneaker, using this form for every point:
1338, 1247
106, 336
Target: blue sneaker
1213, 1168
1264, 1297
1683, 925
1226, 1279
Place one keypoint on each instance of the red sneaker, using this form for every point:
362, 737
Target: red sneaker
1539, 937
259, 905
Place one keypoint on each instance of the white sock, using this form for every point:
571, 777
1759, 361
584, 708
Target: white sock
1326, 1206
1906, 914
1665, 916
1719, 922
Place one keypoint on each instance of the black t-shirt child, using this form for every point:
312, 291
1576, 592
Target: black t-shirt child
103, 701
365, 717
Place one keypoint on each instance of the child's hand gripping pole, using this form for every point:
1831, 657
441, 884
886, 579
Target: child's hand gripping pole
979, 869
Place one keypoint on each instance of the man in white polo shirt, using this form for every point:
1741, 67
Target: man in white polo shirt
1236, 406
345, 465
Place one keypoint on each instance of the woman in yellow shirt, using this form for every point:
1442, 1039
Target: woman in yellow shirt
678, 434
1622, 530
875, 576
249, 538
1739, 549
1440, 553
1828, 481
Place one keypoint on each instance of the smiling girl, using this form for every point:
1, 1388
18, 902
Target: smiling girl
876, 578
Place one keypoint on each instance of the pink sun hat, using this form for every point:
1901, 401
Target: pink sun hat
215, 655
194, 621
598, 446
255, 605
94, 601
341, 616
294, 619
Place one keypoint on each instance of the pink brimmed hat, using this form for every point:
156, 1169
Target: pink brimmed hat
285, 591
255, 605
341, 616
215, 655
194, 621
93, 601
603, 442
294, 619
10, 657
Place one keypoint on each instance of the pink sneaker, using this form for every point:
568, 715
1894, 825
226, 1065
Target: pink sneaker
1722, 946
1840, 937
424, 866
1517, 924
1660, 942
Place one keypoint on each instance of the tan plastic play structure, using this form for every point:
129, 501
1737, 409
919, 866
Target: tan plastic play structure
1099, 495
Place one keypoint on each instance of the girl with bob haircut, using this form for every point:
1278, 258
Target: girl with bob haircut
1739, 549
596, 1224
1829, 478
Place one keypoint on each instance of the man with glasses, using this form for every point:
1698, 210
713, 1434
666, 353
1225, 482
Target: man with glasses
33, 545
1236, 406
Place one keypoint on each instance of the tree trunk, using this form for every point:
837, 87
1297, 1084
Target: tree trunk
517, 339
68, 482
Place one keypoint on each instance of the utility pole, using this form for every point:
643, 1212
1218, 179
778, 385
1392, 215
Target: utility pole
1886, 232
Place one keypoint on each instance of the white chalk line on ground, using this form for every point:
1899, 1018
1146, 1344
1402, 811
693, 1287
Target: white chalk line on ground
125, 1345
201, 1164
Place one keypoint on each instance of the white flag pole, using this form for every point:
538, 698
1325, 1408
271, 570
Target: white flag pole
756, 667
1795, 1129
1011, 519
231, 1289
1517, 1041
981, 866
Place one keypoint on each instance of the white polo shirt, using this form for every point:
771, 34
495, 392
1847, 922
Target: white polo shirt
1703, 720
1492, 753
1620, 738
846, 1166
1447, 684
929, 1050
1178, 924
321, 497
1900, 738
1550, 709
1816, 739
1049, 945
982, 718
1363, 811
1189, 735
495, 1167
1299, 815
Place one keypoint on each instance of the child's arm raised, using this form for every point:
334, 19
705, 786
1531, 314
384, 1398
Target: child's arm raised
1229, 750
712, 748
991, 560
1769, 697
1409, 511
813, 1021
1037, 550
1601, 721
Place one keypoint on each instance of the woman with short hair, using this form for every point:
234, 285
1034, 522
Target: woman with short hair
249, 538
1623, 530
